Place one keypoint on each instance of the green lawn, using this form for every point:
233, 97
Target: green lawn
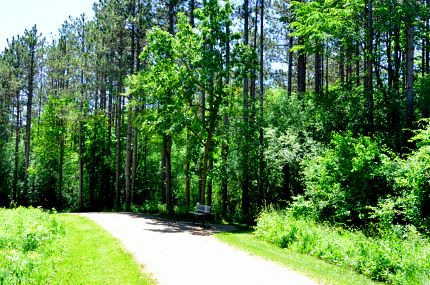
38, 247
310, 266
93, 256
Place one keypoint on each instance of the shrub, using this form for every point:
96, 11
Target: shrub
412, 182
28, 239
347, 178
399, 256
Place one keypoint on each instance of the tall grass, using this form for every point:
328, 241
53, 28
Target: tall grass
396, 256
30, 240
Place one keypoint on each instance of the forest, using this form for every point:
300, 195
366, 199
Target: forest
320, 106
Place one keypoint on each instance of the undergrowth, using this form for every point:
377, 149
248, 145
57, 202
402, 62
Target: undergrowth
399, 255
30, 240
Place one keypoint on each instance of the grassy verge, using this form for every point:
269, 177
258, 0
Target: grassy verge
30, 245
37, 247
92, 256
396, 255
315, 268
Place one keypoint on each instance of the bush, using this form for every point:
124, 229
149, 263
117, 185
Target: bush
399, 256
412, 182
28, 240
347, 178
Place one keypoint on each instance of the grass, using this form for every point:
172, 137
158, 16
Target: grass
92, 256
396, 254
312, 267
30, 245
37, 247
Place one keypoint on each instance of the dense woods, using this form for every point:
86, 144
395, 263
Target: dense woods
317, 105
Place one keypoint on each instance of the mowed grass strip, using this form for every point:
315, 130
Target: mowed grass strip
312, 267
92, 256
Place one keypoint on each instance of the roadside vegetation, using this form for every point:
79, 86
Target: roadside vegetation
37, 247
398, 256
362, 208
30, 245
311, 266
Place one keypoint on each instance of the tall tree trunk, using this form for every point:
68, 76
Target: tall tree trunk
327, 55
17, 127
30, 90
318, 79
188, 162
377, 63
167, 142
202, 173
192, 6
290, 64
109, 197
134, 163
428, 38
245, 153
410, 74
129, 156
225, 145
167, 139
210, 182
81, 139
368, 85
397, 58
252, 97
389, 61
357, 64
128, 160
261, 177
187, 183
301, 70
60, 173
342, 65
118, 152
129, 173
81, 161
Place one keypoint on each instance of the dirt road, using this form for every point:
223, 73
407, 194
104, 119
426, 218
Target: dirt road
177, 253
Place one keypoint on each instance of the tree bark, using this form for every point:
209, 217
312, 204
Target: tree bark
167, 139
410, 74
225, 145
118, 153
167, 142
245, 154
290, 65
397, 57
318, 79
389, 60
368, 84
427, 29
16, 162
342, 65
261, 113
187, 183
30, 90
81, 139
60, 172
301, 70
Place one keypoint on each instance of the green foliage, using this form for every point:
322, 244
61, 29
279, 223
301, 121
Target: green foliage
347, 178
55, 155
321, 21
399, 256
423, 97
30, 246
412, 182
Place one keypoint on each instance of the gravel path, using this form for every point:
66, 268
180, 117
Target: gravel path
178, 253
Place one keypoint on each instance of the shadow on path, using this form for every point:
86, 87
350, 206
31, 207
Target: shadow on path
162, 225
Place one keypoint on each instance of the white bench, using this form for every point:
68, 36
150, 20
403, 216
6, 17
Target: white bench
202, 212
